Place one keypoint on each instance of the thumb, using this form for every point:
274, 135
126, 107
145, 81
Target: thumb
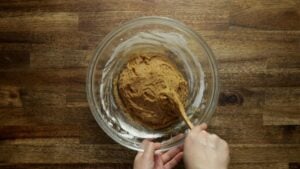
149, 149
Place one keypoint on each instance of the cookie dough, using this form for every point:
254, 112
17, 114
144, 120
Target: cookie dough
149, 89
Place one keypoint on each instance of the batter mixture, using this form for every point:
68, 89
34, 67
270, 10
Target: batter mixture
150, 90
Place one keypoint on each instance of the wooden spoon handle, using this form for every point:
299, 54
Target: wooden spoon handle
184, 116
174, 99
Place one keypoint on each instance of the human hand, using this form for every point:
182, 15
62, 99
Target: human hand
149, 160
203, 150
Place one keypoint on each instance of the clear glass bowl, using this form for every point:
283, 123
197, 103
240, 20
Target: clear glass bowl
155, 34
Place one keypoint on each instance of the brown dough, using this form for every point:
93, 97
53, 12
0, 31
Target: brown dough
147, 88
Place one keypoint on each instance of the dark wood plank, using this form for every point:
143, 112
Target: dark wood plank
41, 96
94, 22
59, 58
279, 115
263, 153
258, 135
64, 154
259, 165
271, 79
30, 78
282, 106
70, 153
103, 5
37, 21
69, 166
10, 97
76, 96
237, 98
294, 165
40, 131
234, 125
14, 58
289, 61
129, 166
268, 15
40, 141
43, 40
46, 115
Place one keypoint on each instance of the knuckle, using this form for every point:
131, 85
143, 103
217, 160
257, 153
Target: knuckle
225, 144
214, 136
204, 134
150, 143
197, 127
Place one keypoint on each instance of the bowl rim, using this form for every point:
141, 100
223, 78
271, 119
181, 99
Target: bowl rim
146, 20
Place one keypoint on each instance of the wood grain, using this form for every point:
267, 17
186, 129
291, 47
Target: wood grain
279, 108
129, 166
71, 153
267, 15
31, 21
46, 46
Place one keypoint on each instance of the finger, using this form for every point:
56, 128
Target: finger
157, 146
213, 137
146, 141
178, 136
181, 147
172, 163
199, 128
139, 154
167, 156
204, 133
149, 150
158, 162
138, 157
203, 126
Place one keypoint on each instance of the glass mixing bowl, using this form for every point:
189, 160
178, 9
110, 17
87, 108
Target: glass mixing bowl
161, 35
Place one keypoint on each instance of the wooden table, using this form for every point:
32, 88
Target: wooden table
45, 47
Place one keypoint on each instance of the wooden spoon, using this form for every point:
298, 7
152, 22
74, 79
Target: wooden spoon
179, 106
184, 116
